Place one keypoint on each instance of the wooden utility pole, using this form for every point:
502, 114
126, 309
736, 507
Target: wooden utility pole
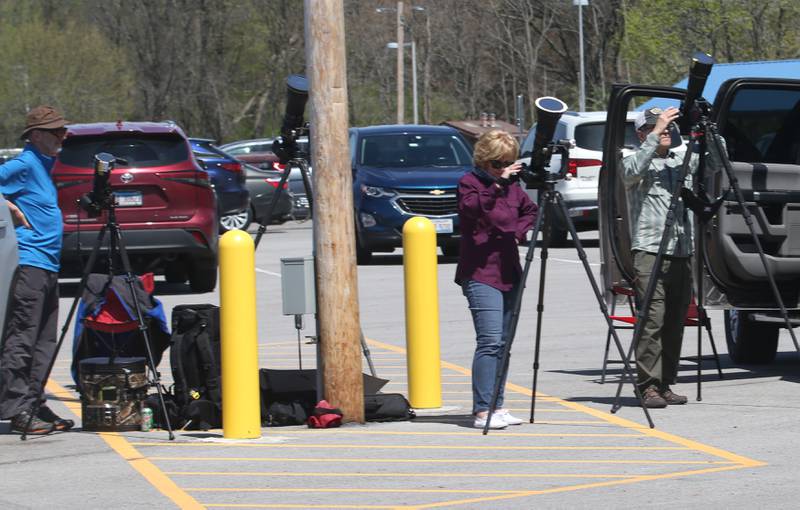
334, 231
401, 91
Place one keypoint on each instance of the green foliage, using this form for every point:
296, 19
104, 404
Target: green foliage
73, 68
660, 37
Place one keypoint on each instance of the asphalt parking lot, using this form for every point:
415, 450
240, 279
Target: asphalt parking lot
734, 449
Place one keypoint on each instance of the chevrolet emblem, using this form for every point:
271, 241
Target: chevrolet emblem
436, 192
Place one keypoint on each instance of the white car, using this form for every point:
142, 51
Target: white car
8, 254
584, 131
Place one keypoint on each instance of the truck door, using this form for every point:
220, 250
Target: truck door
8, 259
613, 222
760, 121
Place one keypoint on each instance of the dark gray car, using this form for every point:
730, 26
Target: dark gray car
262, 185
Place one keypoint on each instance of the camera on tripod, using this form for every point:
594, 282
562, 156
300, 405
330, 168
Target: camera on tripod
536, 171
101, 197
285, 146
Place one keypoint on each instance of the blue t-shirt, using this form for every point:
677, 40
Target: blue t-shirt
25, 181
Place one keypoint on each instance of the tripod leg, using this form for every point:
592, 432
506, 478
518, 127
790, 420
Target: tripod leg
548, 217
512, 328
600, 301
707, 324
130, 278
699, 358
367, 355
307, 185
748, 219
262, 227
78, 293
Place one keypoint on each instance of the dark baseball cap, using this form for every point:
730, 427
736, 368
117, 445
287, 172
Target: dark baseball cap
647, 118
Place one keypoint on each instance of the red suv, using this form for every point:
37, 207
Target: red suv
165, 205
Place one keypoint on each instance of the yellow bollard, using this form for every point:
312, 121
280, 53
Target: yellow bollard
422, 313
241, 404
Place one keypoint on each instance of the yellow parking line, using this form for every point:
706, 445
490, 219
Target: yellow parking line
289, 505
405, 446
439, 461
327, 474
347, 490
147, 469
505, 433
570, 488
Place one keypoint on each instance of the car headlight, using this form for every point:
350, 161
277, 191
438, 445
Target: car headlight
376, 192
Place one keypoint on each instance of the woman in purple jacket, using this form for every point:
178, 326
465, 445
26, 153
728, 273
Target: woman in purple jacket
495, 215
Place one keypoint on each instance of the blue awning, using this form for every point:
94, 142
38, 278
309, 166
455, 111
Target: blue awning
723, 72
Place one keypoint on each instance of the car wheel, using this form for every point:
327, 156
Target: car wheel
175, 272
240, 220
363, 255
203, 275
750, 342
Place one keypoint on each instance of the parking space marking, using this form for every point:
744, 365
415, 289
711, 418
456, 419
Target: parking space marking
156, 477
158, 468
389, 460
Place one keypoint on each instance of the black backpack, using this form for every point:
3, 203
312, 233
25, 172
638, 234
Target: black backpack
195, 360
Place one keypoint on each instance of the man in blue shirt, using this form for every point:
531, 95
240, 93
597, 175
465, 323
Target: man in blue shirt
29, 339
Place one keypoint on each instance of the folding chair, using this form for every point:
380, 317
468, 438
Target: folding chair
692, 320
112, 330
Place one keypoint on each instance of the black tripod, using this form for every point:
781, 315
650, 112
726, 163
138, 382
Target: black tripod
704, 129
116, 244
549, 200
302, 164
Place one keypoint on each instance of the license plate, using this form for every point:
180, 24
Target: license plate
443, 226
128, 198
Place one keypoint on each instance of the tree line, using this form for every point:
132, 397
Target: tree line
218, 67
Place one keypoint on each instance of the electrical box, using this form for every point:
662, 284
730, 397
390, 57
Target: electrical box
298, 286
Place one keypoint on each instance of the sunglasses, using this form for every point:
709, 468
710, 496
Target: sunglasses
498, 164
58, 133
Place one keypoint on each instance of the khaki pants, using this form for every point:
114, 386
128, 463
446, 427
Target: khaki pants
659, 349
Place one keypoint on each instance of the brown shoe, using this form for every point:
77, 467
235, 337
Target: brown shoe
673, 398
652, 399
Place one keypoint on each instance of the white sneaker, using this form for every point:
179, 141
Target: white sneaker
495, 423
508, 417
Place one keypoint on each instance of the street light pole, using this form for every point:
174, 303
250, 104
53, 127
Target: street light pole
414, 79
401, 100
413, 45
581, 75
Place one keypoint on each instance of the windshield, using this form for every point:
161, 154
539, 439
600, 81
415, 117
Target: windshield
413, 150
137, 150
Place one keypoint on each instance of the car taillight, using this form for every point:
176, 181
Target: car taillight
276, 165
188, 177
272, 181
574, 164
232, 167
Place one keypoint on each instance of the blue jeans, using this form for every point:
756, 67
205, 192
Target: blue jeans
491, 314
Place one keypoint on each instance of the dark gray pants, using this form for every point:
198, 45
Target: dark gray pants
29, 340
659, 349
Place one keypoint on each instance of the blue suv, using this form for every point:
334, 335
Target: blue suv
402, 171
